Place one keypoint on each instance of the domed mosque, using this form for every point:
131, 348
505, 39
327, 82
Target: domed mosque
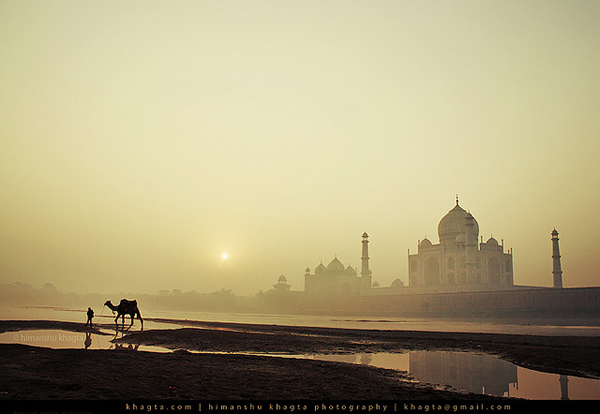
458, 261
334, 279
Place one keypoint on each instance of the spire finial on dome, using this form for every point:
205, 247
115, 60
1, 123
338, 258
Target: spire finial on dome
456, 199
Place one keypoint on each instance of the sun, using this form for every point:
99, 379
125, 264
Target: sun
224, 256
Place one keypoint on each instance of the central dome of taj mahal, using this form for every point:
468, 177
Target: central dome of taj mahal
453, 225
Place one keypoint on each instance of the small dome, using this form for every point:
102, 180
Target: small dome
282, 278
425, 243
492, 242
320, 268
335, 266
453, 224
350, 269
397, 283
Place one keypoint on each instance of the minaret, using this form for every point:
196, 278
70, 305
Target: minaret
365, 272
470, 249
556, 269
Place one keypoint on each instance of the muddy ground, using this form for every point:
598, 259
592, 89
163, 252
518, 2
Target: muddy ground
567, 355
45, 374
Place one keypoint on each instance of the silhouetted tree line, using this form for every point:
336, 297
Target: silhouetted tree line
223, 300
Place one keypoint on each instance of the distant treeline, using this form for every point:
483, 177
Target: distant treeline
220, 301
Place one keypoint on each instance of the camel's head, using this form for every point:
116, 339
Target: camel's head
110, 306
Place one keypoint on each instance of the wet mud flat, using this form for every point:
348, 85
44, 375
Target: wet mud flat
44, 373
565, 355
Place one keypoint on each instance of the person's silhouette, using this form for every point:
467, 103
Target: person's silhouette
90, 315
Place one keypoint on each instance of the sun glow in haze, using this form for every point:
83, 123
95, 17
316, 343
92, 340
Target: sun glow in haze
138, 149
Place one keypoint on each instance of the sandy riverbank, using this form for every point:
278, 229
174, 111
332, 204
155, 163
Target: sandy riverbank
43, 373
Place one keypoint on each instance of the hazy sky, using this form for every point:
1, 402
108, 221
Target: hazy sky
141, 139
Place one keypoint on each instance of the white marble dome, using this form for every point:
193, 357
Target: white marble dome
453, 224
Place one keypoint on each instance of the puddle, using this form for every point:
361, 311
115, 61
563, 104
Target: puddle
478, 373
59, 339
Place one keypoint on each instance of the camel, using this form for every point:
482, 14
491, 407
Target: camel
125, 307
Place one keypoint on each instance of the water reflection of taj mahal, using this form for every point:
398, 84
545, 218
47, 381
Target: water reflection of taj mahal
481, 374
463, 371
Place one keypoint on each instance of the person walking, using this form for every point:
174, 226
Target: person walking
90, 315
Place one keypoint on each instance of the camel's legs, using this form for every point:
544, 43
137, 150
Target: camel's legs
140, 318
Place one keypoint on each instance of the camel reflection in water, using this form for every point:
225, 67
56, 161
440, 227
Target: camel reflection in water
125, 347
122, 347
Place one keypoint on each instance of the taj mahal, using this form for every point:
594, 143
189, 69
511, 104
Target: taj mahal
461, 274
459, 261
458, 258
